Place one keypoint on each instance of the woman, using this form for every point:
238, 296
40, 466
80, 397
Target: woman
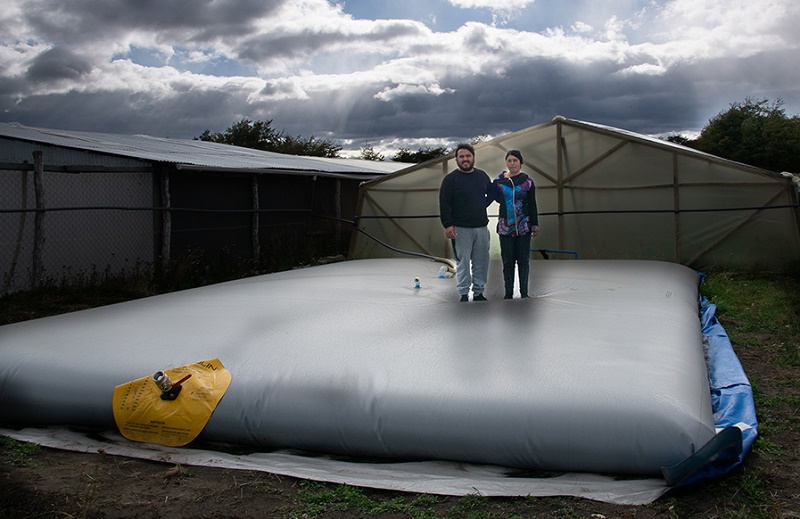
518, 222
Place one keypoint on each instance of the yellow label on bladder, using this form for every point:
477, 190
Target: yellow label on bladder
147, 410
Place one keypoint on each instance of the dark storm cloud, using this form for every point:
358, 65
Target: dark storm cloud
276, 89
203, 23
81, 20
302, 42
56, 64
536, 90
530, 92
184, 117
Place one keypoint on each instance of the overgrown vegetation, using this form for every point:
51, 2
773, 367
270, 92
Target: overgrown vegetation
423, 154
754, 132
755, 307
260, 135
18, 453
369, 153
73, 291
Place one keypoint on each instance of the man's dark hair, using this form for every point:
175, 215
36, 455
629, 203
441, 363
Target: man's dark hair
465, 146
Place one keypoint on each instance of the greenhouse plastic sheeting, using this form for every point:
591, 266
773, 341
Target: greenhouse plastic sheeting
602, 370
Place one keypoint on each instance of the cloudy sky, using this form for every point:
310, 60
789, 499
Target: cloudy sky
395, 73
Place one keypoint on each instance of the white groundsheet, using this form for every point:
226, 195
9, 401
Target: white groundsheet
601, 372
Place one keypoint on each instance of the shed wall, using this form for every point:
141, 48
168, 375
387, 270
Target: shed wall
103, 216
76, 244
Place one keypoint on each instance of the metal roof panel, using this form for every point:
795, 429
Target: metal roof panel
192, 153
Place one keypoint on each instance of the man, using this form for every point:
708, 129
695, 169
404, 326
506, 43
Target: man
463, 198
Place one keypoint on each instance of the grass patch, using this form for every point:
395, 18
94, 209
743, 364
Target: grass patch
18, 453
89, 497
752, 308
319, 498
751, 492
323, 498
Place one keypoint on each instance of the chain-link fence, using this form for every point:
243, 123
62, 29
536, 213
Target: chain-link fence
85, 227
72, 226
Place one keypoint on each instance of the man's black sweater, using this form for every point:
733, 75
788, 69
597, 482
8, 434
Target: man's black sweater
463, 198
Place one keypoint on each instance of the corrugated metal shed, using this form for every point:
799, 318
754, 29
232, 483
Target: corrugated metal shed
196, 154
104, 202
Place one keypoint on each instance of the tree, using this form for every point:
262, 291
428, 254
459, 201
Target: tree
368, 153
311, 146
260, 135
421, 155
678, 138
754, 132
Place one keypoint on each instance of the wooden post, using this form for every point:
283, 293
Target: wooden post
676, 195
166, 223
37, 270
560, 175
23, 218
256, 219
338, 209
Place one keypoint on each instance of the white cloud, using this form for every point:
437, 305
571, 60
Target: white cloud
581, 27
738, 28
391, 93
503, 11
644, 69
496, 5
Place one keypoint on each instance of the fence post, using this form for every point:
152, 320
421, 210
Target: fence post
38, 232
338, 209
256, 219
166, 229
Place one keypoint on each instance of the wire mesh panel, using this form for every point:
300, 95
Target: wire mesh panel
89, 225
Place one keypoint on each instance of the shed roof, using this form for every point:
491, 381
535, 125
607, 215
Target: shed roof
195, 154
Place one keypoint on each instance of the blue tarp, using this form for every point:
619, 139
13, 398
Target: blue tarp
731, 392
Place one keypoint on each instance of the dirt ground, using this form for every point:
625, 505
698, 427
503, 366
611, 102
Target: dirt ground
47, 483
68, 484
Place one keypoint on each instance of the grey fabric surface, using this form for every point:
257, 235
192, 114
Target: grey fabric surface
602, 370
